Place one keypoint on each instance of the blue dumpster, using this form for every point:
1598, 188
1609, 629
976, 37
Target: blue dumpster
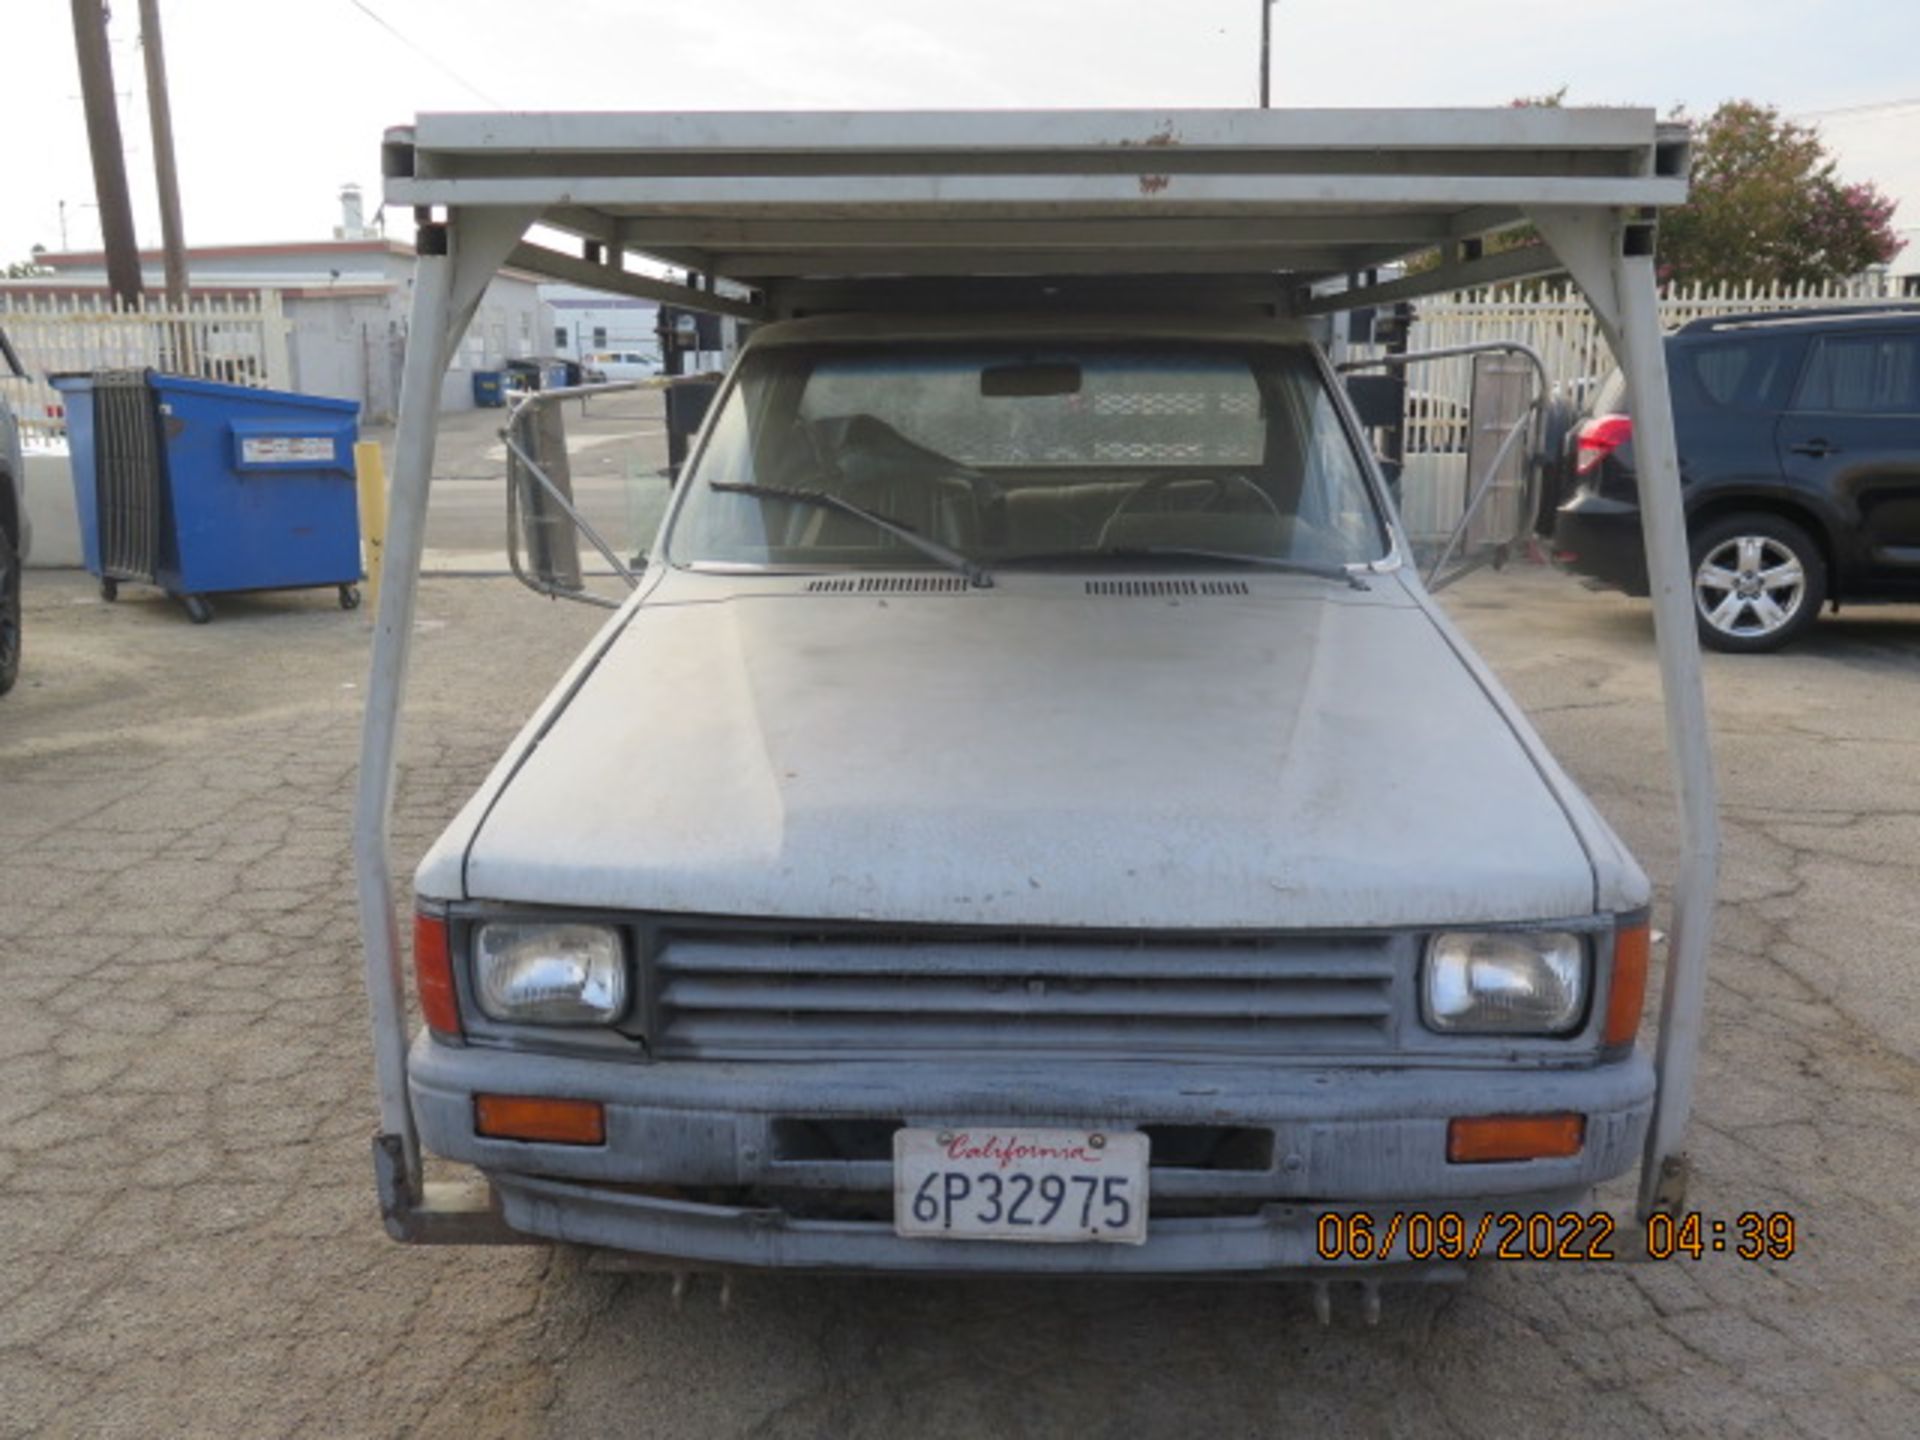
203, 488
489, 389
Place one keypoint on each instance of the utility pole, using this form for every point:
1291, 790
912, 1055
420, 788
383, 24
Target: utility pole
103, 139
1266, 54
165, 174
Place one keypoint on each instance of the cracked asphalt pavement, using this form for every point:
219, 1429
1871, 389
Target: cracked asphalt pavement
188, 1236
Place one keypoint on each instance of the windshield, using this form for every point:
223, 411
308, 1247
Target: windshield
1043, 453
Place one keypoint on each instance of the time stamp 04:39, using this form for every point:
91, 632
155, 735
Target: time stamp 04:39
1545, 1235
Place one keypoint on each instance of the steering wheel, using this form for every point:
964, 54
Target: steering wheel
867, 440
1220, 480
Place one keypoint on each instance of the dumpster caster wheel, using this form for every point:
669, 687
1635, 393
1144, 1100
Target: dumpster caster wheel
349, 597
109, 589
198, 610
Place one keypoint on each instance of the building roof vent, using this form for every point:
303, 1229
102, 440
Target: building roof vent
353, 225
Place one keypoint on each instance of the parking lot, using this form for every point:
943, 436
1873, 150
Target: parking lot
188, 1235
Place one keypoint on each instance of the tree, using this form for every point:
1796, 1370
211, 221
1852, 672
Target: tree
1549, 100
1767, 207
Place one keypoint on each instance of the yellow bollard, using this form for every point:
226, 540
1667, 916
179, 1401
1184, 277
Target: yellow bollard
372, 473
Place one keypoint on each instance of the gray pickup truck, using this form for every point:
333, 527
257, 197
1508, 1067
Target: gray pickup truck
1074, 822
1028, 815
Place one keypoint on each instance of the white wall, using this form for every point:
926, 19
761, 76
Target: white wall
49, 499
506, 326
343, 347
572, 314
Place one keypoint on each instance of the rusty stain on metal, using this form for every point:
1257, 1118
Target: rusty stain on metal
1162, 139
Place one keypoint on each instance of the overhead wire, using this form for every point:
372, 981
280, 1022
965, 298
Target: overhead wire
424, 53
1863, 109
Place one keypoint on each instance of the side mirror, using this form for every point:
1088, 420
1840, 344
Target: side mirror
1499, 434
538, 525
1503, 437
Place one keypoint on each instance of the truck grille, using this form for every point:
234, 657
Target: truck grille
750, 996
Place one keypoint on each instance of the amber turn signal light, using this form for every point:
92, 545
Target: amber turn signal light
1476, 1139
1628, 988
535, 1117
433, 975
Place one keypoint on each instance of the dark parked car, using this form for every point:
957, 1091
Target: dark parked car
15, 534
1799, 440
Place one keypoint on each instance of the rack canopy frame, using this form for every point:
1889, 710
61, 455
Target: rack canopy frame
1285, 200
1281, 213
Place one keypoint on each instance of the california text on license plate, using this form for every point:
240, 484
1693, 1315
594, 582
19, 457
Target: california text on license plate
995, 1184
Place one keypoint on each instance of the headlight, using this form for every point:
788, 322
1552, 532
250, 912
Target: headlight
1506, 982
550, 974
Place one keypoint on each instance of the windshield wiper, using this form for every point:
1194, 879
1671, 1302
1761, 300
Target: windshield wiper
975, 572
1323, 571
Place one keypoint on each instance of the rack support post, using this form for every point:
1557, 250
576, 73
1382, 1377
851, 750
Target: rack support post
456, 261
1610, 257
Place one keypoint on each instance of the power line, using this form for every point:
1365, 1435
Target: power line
426, 55
1858, 109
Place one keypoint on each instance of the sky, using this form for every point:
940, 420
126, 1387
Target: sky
277, 104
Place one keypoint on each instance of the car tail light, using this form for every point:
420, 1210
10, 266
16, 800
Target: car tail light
433, 975
1598, 438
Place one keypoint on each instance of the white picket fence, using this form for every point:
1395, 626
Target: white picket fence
1556, 323
240, 339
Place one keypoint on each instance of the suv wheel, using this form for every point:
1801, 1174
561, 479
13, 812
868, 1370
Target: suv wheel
1758, 582
9, 612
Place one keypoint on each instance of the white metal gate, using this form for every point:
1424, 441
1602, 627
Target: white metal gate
239, 339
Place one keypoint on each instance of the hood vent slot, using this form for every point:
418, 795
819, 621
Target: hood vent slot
1167, 587
889, 585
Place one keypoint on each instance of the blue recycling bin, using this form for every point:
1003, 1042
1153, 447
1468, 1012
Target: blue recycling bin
489, 389
203, 488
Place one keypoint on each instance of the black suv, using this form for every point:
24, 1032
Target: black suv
15, 533
1799, 440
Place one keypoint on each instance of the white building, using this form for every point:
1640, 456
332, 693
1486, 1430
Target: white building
346, 302
579, 322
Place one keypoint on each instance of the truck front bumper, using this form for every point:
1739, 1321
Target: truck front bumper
701, 1163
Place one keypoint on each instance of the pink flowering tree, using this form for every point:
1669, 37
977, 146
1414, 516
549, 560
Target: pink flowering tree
1767, 207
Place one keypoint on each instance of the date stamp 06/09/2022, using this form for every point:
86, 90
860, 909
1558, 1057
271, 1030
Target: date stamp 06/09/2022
1579, 1235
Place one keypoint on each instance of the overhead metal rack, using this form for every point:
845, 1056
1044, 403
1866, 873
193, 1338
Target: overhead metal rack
1288, 198
1274, 212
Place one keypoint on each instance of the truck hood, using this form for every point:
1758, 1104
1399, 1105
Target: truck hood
1036, 755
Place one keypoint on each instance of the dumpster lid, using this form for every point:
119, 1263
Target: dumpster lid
162, 382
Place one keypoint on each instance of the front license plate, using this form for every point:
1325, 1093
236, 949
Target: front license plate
1044, 1185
